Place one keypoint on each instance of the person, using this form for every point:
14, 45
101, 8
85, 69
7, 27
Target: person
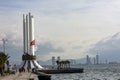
0, 72
14, 68
10, 68
28, 69
20, 72
33, 70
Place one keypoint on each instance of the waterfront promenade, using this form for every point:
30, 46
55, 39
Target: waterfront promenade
20, 76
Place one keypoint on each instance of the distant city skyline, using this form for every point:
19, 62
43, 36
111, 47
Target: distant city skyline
71, 29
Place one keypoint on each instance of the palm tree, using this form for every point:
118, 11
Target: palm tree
61, 64
3, 60
58, 64
68, 63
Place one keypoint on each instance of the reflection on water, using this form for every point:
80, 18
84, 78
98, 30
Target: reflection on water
96, 72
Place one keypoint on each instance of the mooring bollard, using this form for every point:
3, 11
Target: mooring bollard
31, 79
43, 76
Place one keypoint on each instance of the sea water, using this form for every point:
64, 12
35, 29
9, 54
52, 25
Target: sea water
92, 72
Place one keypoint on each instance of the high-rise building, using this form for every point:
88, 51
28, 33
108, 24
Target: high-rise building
53, 61
106, 61
97, 59
88, 59
94, 59
58, 58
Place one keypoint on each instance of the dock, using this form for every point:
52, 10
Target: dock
61, 71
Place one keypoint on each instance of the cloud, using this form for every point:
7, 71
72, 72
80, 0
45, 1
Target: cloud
48, 47
107, 48
14, 47
80, 22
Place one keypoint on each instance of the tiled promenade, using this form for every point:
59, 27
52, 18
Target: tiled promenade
18, 76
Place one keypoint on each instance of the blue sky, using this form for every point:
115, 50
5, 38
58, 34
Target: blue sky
65, 28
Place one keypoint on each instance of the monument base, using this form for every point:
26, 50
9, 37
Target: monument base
30, 62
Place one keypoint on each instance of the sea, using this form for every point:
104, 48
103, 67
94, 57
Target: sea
92, 72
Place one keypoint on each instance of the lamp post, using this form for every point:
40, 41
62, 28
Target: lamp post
4, 42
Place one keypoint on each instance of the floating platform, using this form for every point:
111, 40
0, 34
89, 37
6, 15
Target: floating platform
60, 71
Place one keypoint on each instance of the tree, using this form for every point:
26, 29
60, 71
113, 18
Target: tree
63, 64
68, 63
3, 60
58, 64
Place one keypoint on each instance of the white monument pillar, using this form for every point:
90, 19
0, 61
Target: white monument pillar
29, 57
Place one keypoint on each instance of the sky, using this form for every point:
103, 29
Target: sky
70, 29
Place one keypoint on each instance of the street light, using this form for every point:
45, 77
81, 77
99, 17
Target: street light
4, 42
